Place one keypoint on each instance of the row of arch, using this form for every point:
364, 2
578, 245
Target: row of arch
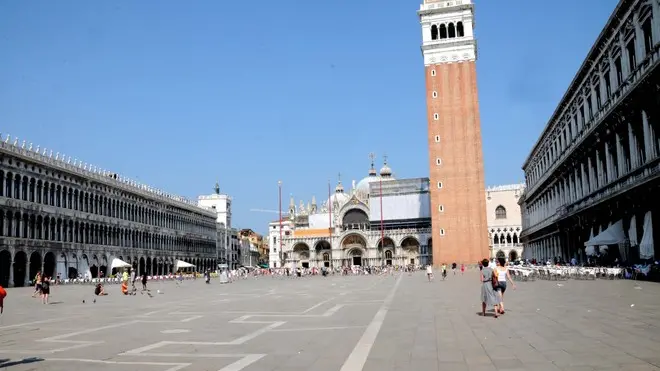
18, 270
21, 187
512, 256
506, 239
37, 227
447, 31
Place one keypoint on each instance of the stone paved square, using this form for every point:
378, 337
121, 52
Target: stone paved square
375, 323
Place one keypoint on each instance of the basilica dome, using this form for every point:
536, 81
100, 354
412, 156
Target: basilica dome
362, 188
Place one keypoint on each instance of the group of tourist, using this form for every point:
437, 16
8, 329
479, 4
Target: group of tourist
494, 277
42, 287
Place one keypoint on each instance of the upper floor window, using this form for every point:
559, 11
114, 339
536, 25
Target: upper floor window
500, 212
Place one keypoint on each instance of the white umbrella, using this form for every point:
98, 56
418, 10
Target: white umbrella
118, 263
182, 264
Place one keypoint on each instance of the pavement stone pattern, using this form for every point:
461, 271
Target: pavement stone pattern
379, 323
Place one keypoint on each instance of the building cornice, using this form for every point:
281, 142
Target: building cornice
599, 47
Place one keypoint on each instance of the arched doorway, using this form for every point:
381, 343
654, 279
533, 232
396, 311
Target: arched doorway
103, 268
72, 269
500, 254
20, 262
148, 267
61, 267
355, 256
301, 254
94, 269
513, 255
323, 249
84, 268
143, 266
5, 268
35, 265
388, 257
410, 247
49, 264
354, 245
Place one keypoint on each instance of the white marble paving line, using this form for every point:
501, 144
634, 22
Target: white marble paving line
173, 366
358, 357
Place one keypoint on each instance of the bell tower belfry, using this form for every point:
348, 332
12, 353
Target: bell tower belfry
457, 189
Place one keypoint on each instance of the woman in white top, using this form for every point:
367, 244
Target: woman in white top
429, 272
502, 272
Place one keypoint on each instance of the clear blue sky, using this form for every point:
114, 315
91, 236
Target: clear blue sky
179, 94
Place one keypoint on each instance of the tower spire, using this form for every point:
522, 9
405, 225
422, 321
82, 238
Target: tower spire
372, 169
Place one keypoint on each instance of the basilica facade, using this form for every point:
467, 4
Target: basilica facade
379, 221
69, 219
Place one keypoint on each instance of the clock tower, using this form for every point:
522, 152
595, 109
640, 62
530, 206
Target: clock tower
458, 201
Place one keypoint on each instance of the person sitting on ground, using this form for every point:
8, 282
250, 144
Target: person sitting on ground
99, 291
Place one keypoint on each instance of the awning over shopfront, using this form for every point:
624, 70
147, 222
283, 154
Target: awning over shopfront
613, 235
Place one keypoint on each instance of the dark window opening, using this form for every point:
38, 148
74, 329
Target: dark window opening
590, 108
452, 31
648, 35
443, 31
598, 102
632, 58
619, 71
434, 32
459, 29
608, 84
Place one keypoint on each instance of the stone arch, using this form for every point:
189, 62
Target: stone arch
72, 269
355, 218
50, 264
500, 254
85, 268
301, 253
385, 242
513, 255
61, 266
410, 249
322, 245
20, 273
516, 240
353, 240
496, 240
5, 267
35, 264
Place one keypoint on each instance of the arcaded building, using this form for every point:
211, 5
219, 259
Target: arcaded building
504, 221
70, 219
592, 177
457, 186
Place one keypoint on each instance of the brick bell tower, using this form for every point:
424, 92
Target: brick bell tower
458, 199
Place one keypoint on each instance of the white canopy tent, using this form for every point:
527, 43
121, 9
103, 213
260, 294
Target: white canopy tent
646, 250
590, 250
118, 263
613, 235
181, 264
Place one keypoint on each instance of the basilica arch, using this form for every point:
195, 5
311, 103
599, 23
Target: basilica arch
355, 218
301, 254
410, 250
323, 251
354, 247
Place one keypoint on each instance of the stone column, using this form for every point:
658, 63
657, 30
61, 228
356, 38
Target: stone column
625, 65
599, 169
640, 50
620, 156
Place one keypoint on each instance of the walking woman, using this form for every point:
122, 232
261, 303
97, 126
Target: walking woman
502, 272
37, 285
489, 298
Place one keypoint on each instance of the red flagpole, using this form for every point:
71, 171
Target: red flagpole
382, 230
279, 187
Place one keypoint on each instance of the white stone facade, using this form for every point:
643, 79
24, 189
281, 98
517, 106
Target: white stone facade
220, 203
447, 31
344, 232
66, 218
505, 221
600, 146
